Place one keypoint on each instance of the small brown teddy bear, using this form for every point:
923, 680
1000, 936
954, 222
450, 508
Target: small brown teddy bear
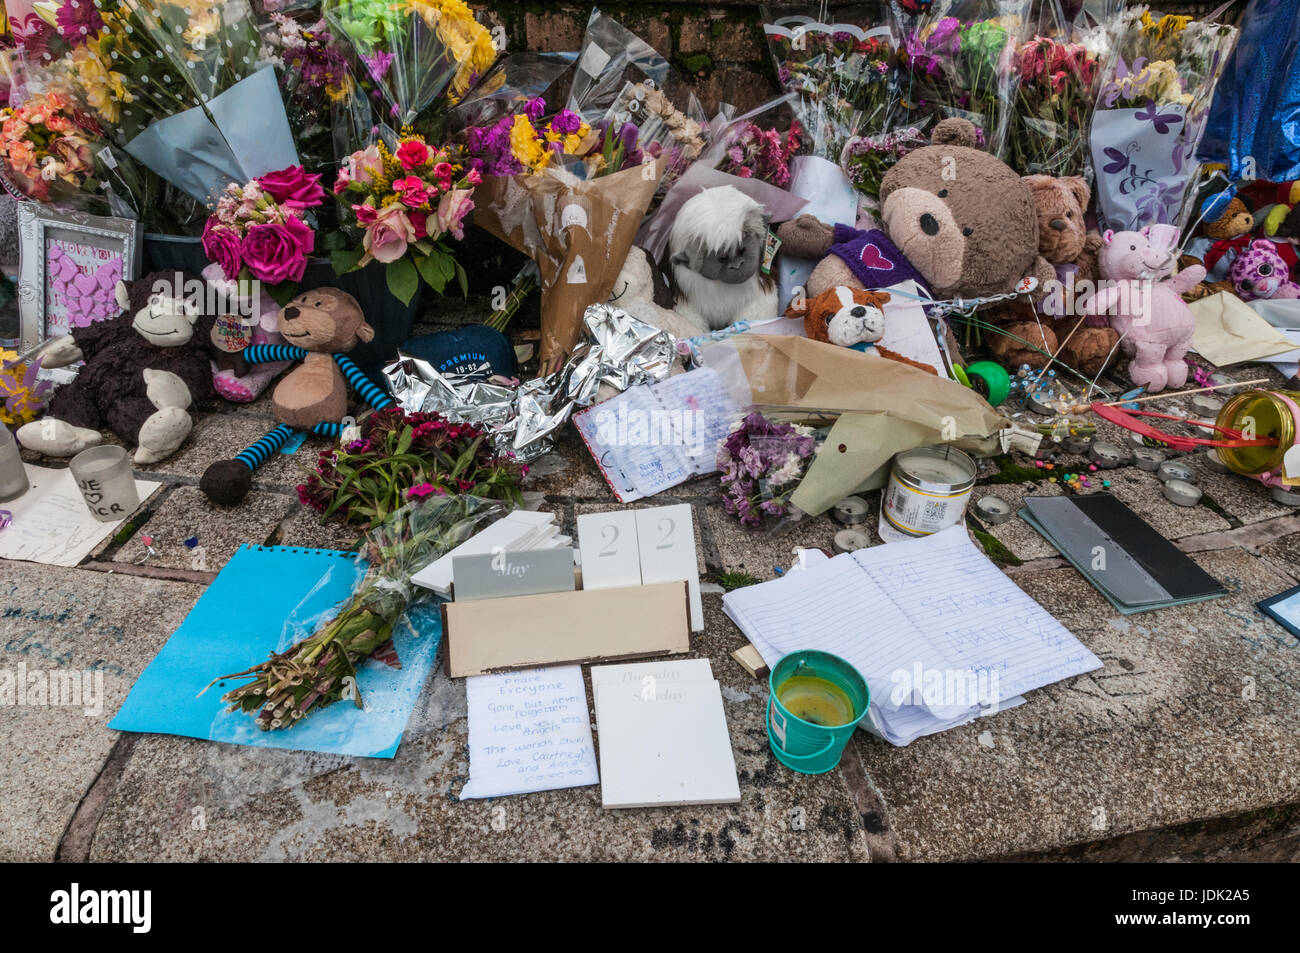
1065, 242
320, 326
852, 318
1218, 245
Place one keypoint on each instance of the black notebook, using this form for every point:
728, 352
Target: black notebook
1124, 556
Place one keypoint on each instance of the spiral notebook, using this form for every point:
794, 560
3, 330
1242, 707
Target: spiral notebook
242, 617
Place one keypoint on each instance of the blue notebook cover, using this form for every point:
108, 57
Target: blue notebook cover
240, 619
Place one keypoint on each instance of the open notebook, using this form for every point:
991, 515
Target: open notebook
940, 633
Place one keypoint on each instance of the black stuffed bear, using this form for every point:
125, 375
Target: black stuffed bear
144, 369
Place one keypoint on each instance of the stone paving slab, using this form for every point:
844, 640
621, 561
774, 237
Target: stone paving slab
1194, 715
257, 804
69, 622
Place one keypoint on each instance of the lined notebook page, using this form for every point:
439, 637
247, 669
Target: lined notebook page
973, 614
834, 607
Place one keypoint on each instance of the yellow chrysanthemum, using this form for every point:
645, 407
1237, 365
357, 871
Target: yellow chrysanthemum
468, 41
525, 145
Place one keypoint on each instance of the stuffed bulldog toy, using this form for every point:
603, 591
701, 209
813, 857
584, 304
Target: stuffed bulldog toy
143, 371
852, 318
321, 326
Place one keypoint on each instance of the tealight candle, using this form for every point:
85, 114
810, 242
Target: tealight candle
1182, 493
993, 509
850, 511
1107, 455
1148, 458
851, 540
1173, 470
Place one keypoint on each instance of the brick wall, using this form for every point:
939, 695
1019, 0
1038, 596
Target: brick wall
717, 47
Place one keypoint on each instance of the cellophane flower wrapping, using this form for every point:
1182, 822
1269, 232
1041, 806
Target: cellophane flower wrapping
319, 667
843, 79
414, 51
315, 74
958, 61
621, 81
1057, 71
1152, 107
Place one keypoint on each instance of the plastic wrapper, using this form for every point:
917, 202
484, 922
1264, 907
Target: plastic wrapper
1251, 127
843, 77
796, 378
1152, 107
317, 662
506, 88
577, 232
957, 61
414, 51
1057, 69
619, 351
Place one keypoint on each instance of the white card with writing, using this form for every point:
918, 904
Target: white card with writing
649, 677
528, 731
666, 536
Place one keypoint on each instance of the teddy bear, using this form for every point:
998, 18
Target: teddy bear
1143, 300
323, 325
1052, 324
1260, 272
846, 256
964, 219
144, 369
242, 319
1218, 245
852, 318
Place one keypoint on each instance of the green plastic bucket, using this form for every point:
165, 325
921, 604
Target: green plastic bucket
801, 745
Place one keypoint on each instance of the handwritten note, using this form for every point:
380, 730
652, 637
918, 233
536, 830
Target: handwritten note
528, 731
51, 523
655, 436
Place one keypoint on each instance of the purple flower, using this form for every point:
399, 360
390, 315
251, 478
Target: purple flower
566, 122
378, 63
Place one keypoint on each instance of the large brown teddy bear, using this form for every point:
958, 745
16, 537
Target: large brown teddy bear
964, 219
1065, 242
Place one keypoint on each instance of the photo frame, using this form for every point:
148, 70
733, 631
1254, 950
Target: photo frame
1284, 609
69, 266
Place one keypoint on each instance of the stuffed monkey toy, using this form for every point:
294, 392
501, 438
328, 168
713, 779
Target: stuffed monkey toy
320, 326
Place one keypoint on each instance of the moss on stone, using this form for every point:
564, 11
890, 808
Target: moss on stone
994, 548
737, 579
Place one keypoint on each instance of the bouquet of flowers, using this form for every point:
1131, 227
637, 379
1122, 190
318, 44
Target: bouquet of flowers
762, 462
321, 669
752, 152
958, 61
317, 83
524, 143
404, 202
46, 145
1055, 92
181, 86
414, 51
842, 76
400, 457
866, 159
1151, 111
22, 395
260, 229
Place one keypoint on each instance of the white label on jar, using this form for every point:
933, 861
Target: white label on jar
921, 513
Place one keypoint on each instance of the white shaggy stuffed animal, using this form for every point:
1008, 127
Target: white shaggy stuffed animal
715, 251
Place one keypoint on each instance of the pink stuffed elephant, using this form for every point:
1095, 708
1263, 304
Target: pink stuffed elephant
1145, 305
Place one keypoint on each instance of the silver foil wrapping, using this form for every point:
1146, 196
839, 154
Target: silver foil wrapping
619, 350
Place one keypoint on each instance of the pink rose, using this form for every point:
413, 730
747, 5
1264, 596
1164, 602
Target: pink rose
367, 165
386, 239
293, 187
452, 209
412, 154
278, 252
222, 245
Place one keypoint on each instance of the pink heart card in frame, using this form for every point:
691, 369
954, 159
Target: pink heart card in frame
70, 265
